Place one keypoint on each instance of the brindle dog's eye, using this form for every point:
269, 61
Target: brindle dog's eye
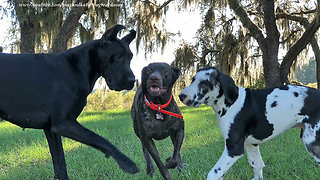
149, 71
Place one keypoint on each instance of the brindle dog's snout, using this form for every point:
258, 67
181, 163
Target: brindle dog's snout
154, 77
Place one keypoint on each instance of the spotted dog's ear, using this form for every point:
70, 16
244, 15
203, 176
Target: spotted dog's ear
175, 74
230, 90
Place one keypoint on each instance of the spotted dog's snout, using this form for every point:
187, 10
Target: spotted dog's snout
182, 97
185, 99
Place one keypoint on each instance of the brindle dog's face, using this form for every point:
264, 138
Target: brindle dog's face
158, 78
208, 86
114, 58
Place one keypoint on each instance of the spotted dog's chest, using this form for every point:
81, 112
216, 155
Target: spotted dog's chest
226, 119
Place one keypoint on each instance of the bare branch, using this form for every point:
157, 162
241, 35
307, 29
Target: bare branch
295, 50
254, 30
68, 28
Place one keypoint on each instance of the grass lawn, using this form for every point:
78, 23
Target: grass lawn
25, 154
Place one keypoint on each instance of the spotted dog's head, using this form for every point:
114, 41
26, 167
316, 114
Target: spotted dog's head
158, 78
209, 86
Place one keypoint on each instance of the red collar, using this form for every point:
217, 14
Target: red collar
159, 107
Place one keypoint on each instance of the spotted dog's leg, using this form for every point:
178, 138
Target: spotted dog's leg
311, 140
255, 160
222, 166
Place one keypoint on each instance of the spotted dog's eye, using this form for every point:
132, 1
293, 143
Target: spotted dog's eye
205, 84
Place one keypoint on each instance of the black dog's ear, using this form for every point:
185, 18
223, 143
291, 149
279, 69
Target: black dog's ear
175, 74
230, 90
111, 34
128, 38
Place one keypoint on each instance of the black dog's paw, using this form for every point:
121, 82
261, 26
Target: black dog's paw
171, 163
150, 170
127, 165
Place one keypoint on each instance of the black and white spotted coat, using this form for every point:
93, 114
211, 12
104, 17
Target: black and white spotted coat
248, 117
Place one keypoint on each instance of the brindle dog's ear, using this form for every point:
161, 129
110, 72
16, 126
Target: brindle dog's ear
144, 77
230, 90
175, 74
111, 34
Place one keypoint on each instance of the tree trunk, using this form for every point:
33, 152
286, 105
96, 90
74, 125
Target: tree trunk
68, 28
270, 51
28, 32
316, 51
268, 45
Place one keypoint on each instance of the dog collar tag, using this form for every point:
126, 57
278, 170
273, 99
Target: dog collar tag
159, 116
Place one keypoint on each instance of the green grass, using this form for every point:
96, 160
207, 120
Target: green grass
25, 154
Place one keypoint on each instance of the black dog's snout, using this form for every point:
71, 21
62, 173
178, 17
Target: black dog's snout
154, 77
182, 97
131, 79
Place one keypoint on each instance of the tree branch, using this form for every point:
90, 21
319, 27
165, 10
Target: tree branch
270, 24
254, 30
68, 28
295, 50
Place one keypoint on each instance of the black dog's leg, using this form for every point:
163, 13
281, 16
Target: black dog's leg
150, 146
73, 130
149, 165
175, 160
56, 150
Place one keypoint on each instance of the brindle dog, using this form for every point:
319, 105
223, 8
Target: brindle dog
156, 116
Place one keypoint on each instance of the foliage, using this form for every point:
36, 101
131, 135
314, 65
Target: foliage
102, 100
307, 73
259, 84
239, 43
25, 154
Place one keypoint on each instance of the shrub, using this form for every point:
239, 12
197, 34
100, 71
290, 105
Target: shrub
107, 100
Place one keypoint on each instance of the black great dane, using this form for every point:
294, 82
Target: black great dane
49, 91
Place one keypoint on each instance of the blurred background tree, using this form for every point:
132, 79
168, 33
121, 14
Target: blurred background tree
259, 42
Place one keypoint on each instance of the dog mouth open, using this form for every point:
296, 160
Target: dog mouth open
156, 90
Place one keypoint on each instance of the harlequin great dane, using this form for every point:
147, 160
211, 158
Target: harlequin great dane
49, 91
248, 117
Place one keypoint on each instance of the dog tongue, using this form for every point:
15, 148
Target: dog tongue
155, 91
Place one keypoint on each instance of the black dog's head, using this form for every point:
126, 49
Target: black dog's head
158, 78
208, 86
114, 56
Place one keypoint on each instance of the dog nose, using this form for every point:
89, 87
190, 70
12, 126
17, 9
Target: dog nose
182, 97
155, 76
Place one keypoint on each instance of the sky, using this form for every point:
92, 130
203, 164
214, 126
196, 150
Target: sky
185, 22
